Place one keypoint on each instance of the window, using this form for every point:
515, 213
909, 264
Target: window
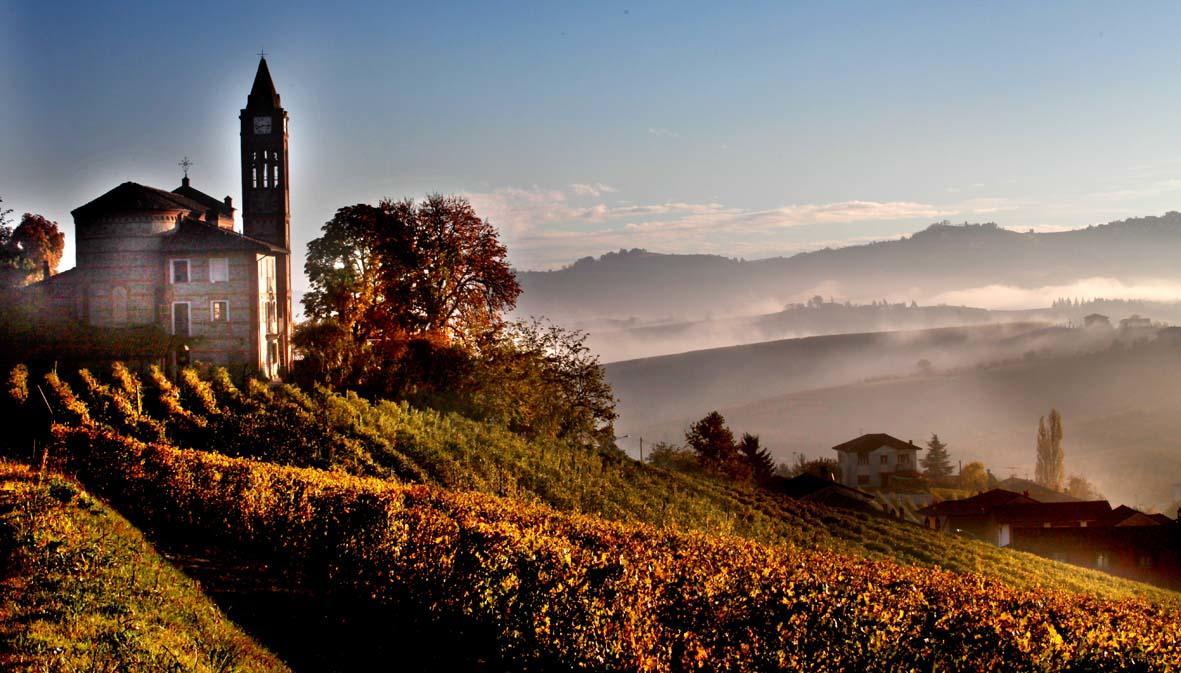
254, 169
180, 270
219, 270
219, 310
1102, 560
180, 318
885, 459
863, 459
266, 169
904, 459
1145, 560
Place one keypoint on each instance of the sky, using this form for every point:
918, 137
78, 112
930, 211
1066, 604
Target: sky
742, 129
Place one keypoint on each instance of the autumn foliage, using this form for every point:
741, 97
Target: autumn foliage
563, 591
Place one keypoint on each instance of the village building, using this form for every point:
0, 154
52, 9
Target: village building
874, 460
1121, 541
173, 260
1096, 321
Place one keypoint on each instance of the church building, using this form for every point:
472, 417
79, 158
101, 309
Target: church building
174, 260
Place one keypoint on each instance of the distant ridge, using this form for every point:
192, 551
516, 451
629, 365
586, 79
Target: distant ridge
943, 257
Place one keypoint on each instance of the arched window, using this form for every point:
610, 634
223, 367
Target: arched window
119, 306
254, 169
266, 169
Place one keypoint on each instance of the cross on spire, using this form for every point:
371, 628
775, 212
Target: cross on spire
262, 53
185, 164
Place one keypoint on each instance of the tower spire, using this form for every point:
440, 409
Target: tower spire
263, 94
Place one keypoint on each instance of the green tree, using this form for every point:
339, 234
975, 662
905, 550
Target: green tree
713, 441
1050, 470
541, 379
936, 463
672, 457
757, 458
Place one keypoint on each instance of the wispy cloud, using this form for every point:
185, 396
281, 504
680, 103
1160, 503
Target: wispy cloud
551, 227
663, 133
591, 189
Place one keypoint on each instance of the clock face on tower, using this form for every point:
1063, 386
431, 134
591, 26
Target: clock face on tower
262, 125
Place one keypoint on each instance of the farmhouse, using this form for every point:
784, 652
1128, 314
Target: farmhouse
874, 459
1121, 541
172, 260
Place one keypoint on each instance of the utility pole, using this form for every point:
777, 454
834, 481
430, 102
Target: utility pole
641, 448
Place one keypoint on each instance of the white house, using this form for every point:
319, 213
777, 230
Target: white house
871, 460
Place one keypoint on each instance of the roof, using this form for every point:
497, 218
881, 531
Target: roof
189, 192
263, 94
194, 235
867, 443
1126, 516
1035, 490
1039, 513
134, 197
980, 504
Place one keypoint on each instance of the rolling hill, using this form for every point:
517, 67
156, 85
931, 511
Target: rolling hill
649, 287
1118, 400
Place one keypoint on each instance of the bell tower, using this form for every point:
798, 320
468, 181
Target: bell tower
266, 192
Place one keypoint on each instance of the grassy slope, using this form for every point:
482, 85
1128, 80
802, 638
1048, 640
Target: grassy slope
83, 591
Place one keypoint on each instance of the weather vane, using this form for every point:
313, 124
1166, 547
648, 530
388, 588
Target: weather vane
184, 164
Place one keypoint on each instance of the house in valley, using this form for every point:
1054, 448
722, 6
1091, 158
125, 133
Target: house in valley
873, 460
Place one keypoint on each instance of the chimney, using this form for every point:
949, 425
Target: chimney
911, 442
229, 203
211, 216
45, 272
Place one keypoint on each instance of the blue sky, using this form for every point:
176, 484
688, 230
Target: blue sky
741, 129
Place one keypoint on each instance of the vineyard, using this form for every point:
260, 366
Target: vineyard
93, 595
572, 559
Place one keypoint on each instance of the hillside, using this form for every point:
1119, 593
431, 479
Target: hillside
677, 579
688, 385
649, 286
81, 590
462, 525
1119, 406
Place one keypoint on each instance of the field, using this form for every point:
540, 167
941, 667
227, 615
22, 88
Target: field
546, 547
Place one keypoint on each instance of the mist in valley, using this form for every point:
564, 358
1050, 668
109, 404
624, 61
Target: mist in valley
982, 389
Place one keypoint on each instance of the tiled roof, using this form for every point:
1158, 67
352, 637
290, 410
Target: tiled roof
867, 443
980, 504
134, 197
197, 235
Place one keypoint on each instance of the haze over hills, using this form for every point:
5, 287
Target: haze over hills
1118, 398
979, 265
